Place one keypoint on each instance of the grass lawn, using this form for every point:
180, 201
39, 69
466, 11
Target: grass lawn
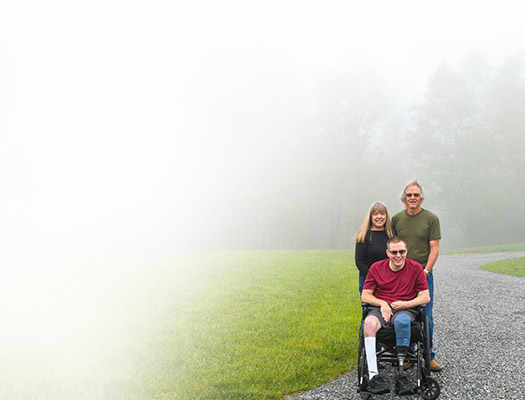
511, 266
489, 249
256, 325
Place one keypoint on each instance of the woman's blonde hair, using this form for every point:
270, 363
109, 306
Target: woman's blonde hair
376, 207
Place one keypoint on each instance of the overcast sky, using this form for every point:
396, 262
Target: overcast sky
105, 106
115, 116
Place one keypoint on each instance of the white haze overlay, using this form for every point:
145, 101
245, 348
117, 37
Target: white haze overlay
120, 145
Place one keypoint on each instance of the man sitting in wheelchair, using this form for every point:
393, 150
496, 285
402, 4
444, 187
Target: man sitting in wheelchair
394, 288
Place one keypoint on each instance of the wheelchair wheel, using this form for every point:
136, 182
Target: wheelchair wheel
362, 367
430, 389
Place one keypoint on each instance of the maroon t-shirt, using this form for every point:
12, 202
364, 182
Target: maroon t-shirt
392, 286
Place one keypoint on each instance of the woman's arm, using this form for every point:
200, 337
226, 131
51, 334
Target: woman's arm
361, 257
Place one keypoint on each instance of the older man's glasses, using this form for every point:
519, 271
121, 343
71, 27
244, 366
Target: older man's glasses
396, 252
413, 195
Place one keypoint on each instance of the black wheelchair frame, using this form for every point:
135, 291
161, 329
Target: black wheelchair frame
427, 387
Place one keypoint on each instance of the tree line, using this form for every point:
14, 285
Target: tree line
353, 141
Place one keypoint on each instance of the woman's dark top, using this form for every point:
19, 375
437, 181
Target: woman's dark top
371, 250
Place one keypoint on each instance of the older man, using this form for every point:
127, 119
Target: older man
395, 286
420, 229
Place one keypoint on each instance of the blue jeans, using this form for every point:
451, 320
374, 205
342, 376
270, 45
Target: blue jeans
428, 311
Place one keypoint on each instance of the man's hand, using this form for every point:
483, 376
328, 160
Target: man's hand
386, 312
398, 305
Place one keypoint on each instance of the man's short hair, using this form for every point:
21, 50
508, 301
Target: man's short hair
394, 240
412, 183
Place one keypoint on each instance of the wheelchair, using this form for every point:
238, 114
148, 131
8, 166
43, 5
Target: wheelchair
425, 386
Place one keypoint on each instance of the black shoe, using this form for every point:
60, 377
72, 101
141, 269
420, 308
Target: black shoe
378, 385
404, 386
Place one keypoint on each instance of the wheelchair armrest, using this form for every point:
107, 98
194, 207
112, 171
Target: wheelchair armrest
420, 313
364, 310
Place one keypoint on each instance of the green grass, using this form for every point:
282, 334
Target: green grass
256, 325
489, 249
253, 324
511, 266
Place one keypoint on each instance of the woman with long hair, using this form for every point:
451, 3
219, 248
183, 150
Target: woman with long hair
371, 238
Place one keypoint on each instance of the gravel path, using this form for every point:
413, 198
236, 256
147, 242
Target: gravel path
479, 321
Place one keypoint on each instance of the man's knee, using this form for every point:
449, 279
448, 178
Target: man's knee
371, 326
402, 321
402, 328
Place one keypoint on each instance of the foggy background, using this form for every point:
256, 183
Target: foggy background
131, 131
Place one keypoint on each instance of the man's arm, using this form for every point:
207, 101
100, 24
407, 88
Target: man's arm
422, 298
368, 297
433, 256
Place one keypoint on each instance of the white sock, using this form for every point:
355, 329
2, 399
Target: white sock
370, 347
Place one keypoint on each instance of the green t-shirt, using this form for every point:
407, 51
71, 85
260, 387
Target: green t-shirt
417, 231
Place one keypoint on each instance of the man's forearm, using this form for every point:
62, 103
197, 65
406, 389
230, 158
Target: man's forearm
421, 299
432, 258
372, 300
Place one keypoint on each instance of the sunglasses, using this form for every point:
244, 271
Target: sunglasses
412, 194
396, 252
